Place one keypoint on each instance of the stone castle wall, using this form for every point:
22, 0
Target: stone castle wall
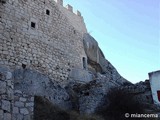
42, 42
74, 18
36, 34
6, 93
40, 35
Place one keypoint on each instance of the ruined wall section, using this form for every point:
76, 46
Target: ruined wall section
37, 35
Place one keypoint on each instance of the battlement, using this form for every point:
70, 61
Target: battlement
68, 7
60, 2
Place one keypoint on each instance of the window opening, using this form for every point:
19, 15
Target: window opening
47, 12
33, 25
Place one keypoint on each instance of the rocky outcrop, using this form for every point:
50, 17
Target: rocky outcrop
94, 54
141, 91
33, 83
97, 61
90, 95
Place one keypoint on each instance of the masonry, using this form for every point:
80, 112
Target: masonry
33, 38
35, 34
44, 47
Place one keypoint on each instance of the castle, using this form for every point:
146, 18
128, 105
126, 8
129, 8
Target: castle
44, 48
39, 36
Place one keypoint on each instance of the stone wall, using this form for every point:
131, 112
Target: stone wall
6, 93
36, 34
75, 19
32, 83
23, 106
17, 100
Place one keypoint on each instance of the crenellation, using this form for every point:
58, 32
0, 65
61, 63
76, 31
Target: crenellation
60, 2
69, 7
78, 13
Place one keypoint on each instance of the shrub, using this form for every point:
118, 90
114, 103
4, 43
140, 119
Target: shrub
120, 101
45, 110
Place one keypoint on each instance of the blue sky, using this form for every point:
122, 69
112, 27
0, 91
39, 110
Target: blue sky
127, 31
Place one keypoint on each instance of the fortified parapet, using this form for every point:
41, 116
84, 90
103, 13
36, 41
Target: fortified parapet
60, 2
75, 19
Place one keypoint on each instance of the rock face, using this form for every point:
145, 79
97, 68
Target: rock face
97, 62
141, 91
18, 102
94, 55
28, 84
36, 84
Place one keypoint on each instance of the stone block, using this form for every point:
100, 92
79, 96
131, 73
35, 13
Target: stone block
22, 99
27, 117
18, 91
1, 114
2, 87
7, 116
9, 83
19, 104
31, 109
8, 75
31, 104
5, 52
4, 97
6, 105
2, 76
15, 110
17, 117
32, 99
80, 75
10, 94
24, 111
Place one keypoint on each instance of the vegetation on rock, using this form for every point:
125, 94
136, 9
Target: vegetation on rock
45, 110
118, 103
